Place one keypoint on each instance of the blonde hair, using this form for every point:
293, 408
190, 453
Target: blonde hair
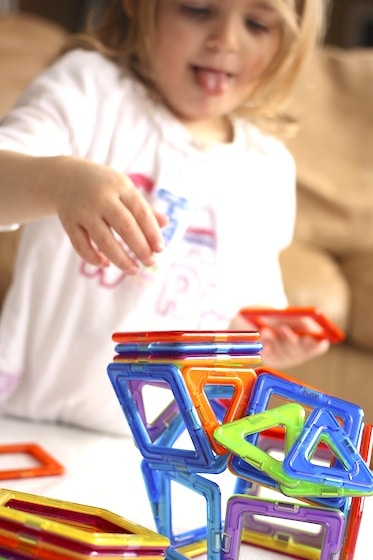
126, 38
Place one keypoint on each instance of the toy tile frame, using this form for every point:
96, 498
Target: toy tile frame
162, 422
191, 348
214, 360
357, 505
185, 336
177, 345
158, 485
218, 381
270, 384
160, 453
236, 437
188, 552
49, 466
355, 479
268, 534
31, 550
325, 329
197, 378
238, 505
72, 530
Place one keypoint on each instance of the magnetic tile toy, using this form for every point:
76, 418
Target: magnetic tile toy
198, 378
236, 437
189, 343
351, 478
47, 465
199, 459
318, 325
230, 408
157, 425
158, 484
357, 505
45, 528
270, 385
297, 539
194, 550
207, 386
262, 530
185, 336
233, 361
191, 348
332, 520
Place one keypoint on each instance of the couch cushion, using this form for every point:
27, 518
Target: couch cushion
333, 151
27, 44
358, 271
312, 277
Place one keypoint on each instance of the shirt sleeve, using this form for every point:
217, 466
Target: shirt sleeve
55, 115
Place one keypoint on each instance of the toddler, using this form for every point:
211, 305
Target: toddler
152, 193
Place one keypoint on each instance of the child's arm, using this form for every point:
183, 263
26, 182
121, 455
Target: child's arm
91, 200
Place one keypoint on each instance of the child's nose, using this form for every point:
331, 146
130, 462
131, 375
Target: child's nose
224, 36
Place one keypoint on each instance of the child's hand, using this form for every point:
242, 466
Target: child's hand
282, 346
96, 205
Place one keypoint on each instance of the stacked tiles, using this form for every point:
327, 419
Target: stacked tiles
36, 527
238, 415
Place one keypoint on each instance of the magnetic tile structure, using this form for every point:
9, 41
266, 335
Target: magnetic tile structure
199, 404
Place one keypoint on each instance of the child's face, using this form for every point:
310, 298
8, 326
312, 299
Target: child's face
209, 54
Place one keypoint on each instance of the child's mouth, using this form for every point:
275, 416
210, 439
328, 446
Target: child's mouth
214, 82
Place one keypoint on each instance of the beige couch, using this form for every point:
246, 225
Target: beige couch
330, 263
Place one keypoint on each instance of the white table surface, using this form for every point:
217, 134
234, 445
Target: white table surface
103, 471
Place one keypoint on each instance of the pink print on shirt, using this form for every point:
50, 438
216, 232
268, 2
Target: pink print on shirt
191, 279
8, 382
108, 276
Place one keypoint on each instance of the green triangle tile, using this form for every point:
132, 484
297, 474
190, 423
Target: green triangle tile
233, 436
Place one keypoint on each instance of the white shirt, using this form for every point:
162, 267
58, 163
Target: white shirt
231, 211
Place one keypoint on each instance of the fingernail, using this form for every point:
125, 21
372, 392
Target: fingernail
133, 270
159, 246
150, 261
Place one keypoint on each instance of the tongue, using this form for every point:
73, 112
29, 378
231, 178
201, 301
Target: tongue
211, 81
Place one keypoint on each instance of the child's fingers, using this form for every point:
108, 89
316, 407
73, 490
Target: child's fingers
132, 235
162, 219
103, 250
313, 347
84, 247
284, 348
116, 237
146, 220
120, 236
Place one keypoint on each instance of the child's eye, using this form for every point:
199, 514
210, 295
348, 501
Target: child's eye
198, 12
255, 26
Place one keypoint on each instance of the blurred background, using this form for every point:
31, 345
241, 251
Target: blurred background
351, 21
